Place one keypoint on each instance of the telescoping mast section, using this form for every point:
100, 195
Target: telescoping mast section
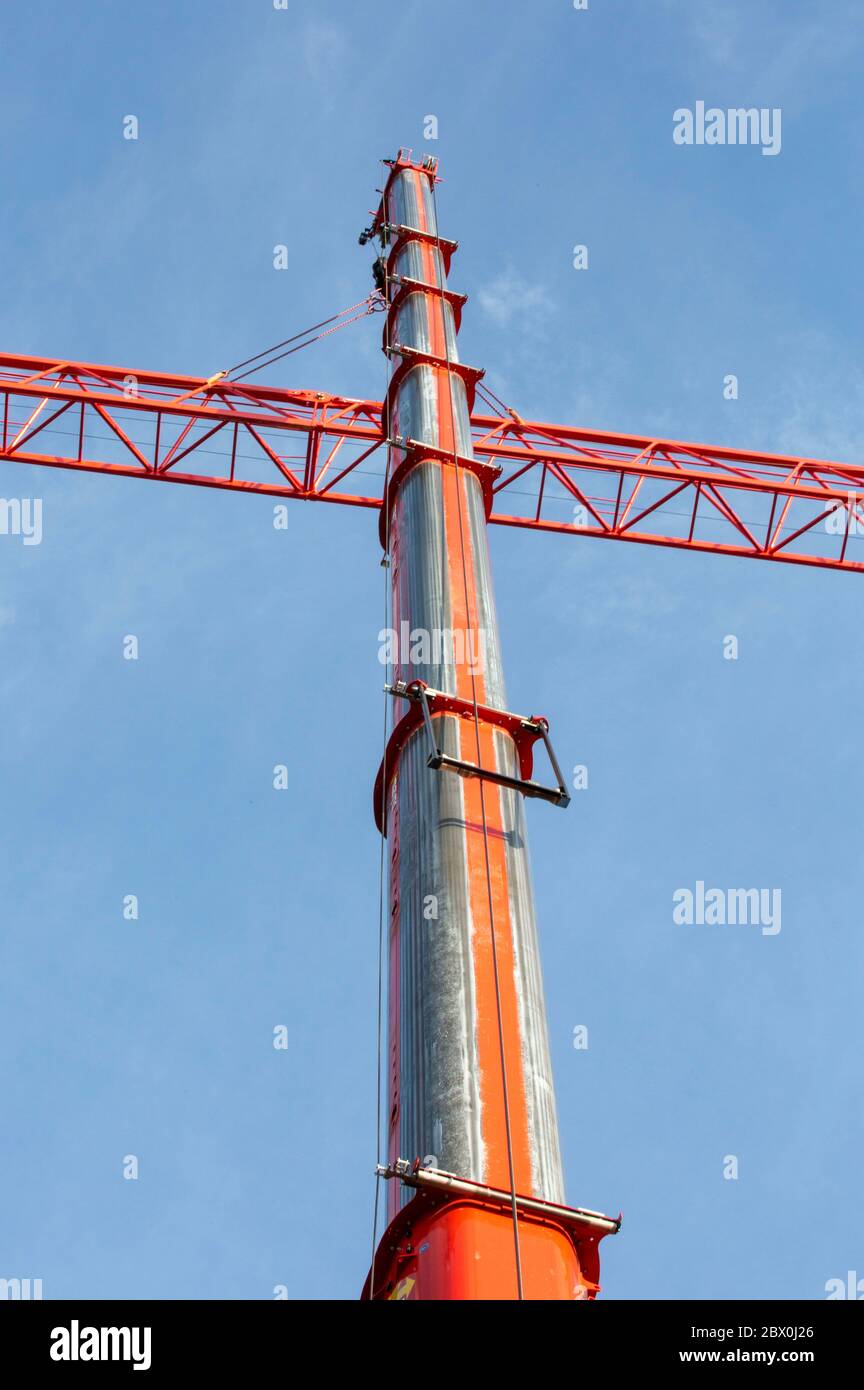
476, 1197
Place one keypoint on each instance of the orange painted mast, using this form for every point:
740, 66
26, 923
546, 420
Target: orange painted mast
476, 1197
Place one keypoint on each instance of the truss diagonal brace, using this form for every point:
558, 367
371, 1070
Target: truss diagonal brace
425, 703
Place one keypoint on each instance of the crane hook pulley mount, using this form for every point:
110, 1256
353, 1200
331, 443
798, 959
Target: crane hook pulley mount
426, 702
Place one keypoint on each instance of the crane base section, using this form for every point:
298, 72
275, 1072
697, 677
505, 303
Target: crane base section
454, 1240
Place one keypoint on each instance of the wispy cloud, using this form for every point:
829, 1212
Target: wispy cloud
324, 50
816, 409
508, 299
763, 50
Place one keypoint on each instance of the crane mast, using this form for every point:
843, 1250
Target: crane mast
468, 1075
471, 1152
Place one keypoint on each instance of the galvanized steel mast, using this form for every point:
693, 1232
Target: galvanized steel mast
469, 1080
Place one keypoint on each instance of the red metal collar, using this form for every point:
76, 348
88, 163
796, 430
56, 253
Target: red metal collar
524, 732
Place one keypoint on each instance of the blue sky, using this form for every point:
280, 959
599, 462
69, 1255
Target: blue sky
258, 647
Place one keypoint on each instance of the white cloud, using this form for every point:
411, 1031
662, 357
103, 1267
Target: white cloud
509, 297
762, 51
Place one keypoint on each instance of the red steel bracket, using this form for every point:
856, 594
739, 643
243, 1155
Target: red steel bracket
407, 287
424, 703
405, 234
409, 358
415, 451
434, 1188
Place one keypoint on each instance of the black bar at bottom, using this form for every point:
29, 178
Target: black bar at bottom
214, 1339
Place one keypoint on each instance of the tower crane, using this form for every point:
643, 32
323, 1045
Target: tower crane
470, 1160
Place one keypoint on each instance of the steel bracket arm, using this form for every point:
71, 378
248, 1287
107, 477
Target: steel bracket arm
425, 703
